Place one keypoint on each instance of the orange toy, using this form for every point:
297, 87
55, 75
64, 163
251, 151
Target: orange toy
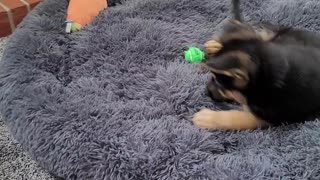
82, 12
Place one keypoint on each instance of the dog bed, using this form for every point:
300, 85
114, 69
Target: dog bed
115, 100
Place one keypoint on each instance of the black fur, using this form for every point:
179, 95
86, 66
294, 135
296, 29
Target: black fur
236, 10
285, 84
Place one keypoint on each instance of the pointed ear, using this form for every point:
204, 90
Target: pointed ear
223, 63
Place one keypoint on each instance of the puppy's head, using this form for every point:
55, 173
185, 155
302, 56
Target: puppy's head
235, 64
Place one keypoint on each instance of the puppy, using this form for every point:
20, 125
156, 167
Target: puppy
272, 71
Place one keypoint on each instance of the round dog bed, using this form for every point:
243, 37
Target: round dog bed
115, 100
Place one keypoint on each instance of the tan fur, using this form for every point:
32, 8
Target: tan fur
226, 120
212, 47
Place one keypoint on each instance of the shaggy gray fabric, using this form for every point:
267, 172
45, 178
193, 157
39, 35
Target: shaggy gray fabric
14, 162
114, 101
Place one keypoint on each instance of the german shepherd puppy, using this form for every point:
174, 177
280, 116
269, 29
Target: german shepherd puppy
273, 71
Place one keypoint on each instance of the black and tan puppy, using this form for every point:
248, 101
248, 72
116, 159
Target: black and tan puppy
274, 72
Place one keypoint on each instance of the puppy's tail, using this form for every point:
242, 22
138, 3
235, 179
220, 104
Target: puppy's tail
236, 11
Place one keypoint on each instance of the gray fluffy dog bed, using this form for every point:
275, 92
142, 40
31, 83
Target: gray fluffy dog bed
115, 100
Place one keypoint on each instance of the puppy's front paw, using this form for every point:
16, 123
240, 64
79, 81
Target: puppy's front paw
212, 47
206, 119
227, 120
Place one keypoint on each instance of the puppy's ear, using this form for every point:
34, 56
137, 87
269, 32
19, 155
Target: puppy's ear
235, 65
223, 62
229, 66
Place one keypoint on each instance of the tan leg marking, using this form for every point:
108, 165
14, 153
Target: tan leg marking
227, 120
212, 46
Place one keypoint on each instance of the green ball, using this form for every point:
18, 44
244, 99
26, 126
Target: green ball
194, 55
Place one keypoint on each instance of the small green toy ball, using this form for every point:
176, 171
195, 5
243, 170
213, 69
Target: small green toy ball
194, 55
